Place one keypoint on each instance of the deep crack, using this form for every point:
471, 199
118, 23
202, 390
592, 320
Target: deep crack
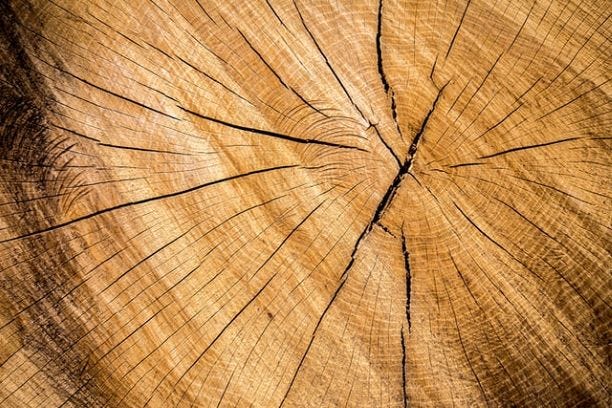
404, 367
380, 210
406, 166
408, 278
381, 70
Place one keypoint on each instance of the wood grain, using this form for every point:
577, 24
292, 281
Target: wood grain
305, 203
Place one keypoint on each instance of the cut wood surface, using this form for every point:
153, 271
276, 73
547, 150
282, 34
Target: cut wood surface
305, 203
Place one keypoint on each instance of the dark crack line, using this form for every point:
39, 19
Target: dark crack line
450, 47
282, 82
343, 279
497, 244
143, 149
408, 278
271, 134
433, 70
146, 200
314, 40
276, 14
390, 194
394, 114
465, 353
296, 228
93, 139
387, 230
215, 81
520, 148
404, 368
384, 142
417, 138
212, 343
502, 120
109, 92
381, 70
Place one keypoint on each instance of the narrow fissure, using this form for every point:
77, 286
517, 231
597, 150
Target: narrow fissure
408, 279
417, 138
314, 40
404, 368
394, 114
381, 71
384, 142
269, 133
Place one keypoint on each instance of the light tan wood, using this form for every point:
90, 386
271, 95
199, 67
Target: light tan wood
304, 204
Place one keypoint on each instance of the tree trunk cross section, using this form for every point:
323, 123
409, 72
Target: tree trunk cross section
271, 203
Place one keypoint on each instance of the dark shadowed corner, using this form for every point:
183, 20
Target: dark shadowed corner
34, 176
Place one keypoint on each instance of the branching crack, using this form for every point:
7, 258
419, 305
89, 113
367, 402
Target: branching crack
375, 220
405, 168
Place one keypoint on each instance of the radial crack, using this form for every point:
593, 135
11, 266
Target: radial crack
408, 278
145, 200
520, 148
384, 142
268, 133
404, 368
450, 47
417, 138
282, 82
381, 70
394, 114
316, 43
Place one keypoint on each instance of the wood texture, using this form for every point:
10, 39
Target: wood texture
305, 203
